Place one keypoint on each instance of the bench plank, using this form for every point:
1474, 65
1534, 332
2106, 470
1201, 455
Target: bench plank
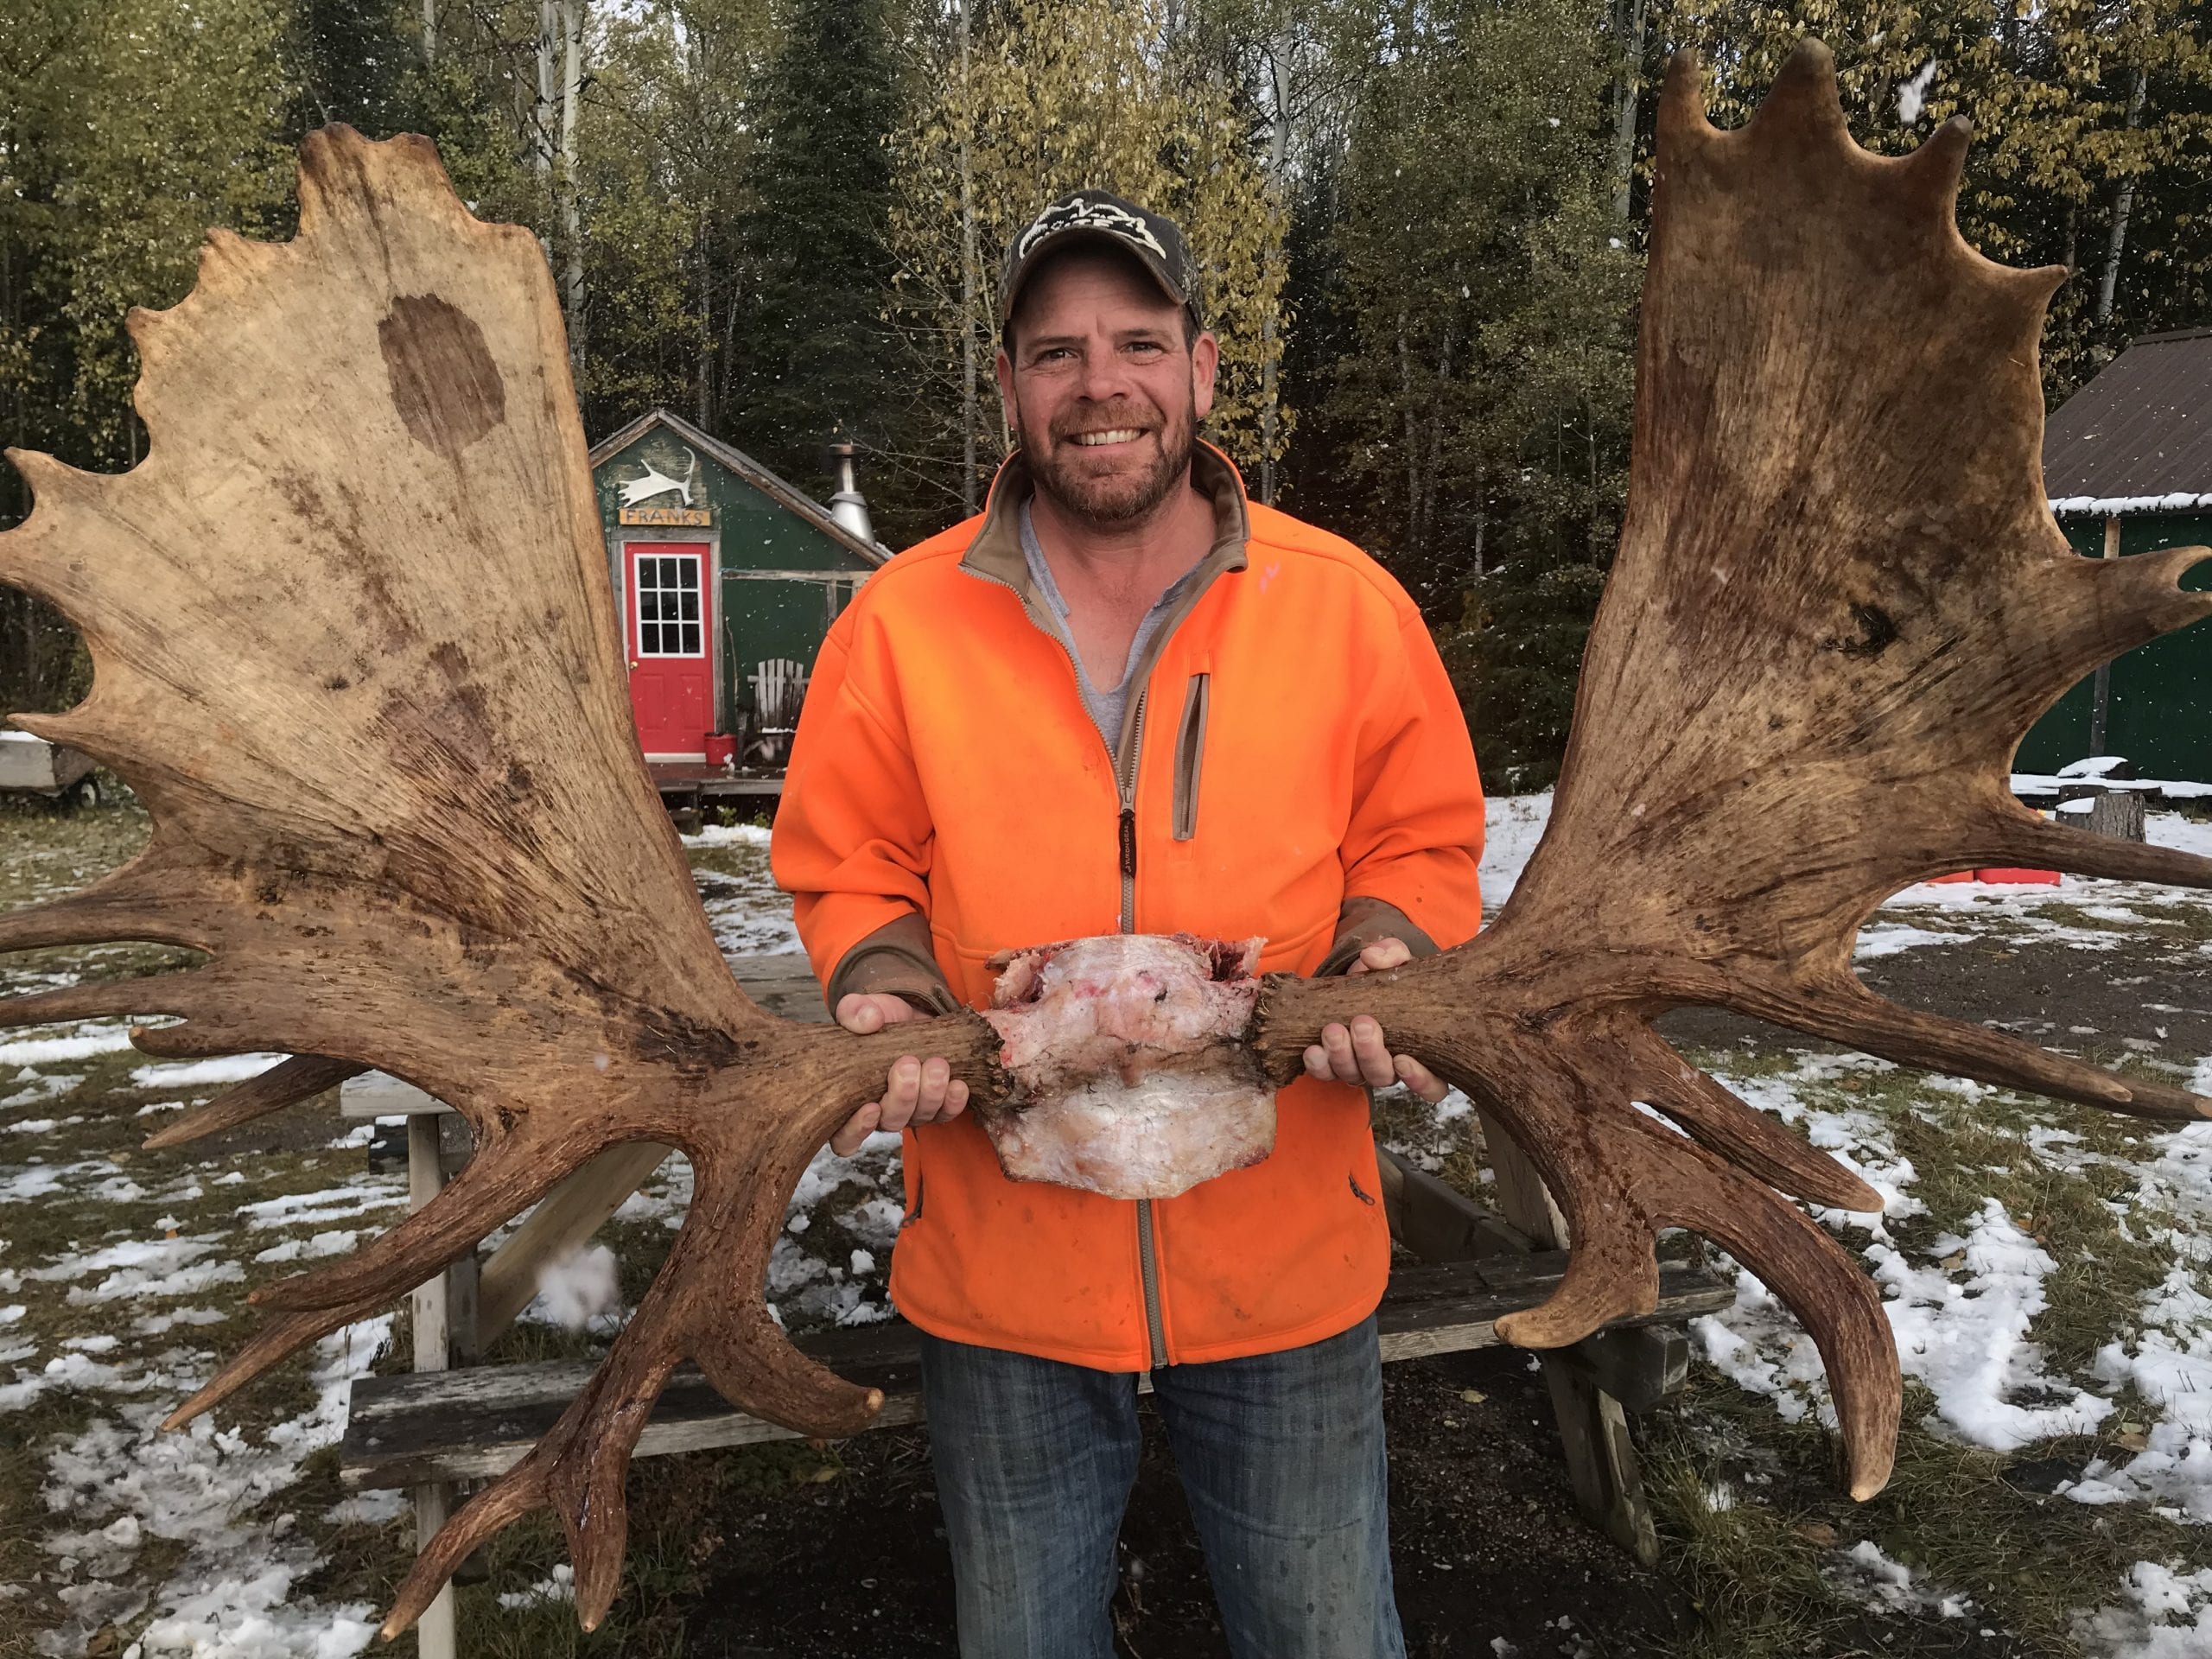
466, 1425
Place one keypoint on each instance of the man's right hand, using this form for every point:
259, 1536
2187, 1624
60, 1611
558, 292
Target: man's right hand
917, 1091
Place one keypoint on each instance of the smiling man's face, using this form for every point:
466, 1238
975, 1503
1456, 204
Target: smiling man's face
1101, 389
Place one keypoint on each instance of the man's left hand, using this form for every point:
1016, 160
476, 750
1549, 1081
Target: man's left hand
1360, 1053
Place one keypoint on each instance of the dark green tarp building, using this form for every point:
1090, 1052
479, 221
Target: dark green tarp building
2127, 461
726, 578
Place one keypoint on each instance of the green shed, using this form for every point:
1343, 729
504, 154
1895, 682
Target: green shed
2127, 461
726, 579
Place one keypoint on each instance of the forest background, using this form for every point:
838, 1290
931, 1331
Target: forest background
1420, 224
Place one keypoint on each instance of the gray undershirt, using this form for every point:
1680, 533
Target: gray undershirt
1107, 707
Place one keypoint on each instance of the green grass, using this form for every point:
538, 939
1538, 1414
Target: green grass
1761, 1568
1758, 1569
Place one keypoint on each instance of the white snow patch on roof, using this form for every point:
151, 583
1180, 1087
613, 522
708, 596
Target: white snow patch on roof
2118, 506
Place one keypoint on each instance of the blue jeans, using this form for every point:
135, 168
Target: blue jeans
1281, 1455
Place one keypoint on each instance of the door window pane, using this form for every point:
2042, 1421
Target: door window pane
669, 619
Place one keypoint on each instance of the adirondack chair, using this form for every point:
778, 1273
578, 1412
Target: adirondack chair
778, 688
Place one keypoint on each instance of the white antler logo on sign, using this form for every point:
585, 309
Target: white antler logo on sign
654, 482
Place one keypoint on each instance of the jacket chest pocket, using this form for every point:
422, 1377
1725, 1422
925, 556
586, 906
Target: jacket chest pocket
1189, 757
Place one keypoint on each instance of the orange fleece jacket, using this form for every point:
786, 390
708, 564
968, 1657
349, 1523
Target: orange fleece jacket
1296, 767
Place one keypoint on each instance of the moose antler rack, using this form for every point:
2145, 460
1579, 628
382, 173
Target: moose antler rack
355, 650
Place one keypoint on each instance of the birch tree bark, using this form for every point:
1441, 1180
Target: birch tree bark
967, 272
2123, 206
1279, 51
1630, 18
543, 111
572, 229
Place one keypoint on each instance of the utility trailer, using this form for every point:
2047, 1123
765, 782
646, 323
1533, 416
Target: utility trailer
32, 766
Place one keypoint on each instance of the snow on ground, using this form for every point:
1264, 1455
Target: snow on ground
118, 1319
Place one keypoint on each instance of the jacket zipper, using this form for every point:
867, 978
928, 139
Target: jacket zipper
1148, 1223
1125, 787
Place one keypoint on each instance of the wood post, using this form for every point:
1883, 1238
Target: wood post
2100, 696
2118, 812
436, 1636
1593, 1427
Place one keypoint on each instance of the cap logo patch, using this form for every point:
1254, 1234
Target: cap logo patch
1076, 214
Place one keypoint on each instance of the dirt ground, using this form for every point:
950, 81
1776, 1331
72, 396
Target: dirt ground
1487, 1545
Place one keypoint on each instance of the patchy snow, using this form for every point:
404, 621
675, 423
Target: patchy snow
561, 1586
331, 1203
237, 1590
2167, 1615
581, 1287
725, 835
83, 1042
1889, 938
1512, 825
201, 1074
1863, 1573
1968, 1340
1962, 1329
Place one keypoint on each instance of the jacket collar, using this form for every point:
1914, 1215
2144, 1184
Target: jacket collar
996, 551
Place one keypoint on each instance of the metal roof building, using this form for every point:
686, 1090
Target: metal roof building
2127, 462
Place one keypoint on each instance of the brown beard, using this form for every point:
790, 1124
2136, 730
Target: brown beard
1115, 503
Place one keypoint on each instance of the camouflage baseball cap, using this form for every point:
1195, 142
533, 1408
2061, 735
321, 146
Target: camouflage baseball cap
1100, 216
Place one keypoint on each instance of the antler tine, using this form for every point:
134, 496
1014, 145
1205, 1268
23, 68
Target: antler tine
106, 998
1745, 1137
1619, 1188
1844, 1011
302, 1077
1832, 1298
127, 904
269, 1346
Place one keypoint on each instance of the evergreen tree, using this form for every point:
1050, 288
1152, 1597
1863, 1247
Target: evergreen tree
815, 357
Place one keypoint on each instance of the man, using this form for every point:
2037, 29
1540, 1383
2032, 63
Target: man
1126, 699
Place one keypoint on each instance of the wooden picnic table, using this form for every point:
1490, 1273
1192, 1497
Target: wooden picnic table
440, 1426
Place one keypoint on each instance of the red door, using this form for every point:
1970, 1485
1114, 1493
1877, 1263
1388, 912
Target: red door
671, 677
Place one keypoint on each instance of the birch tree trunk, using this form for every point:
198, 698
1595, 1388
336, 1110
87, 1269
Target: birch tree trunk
1412, 437
429, 31
1628, 20
967, 277
2123, 205
1436, 467
543, 114
572, 229
1279, 51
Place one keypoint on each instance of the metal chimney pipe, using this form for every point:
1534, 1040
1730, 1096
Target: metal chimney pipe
849, 507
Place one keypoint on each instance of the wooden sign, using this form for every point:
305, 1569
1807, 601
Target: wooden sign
664, 515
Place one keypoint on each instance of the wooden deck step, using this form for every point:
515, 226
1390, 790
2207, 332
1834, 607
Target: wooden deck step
468, 1424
